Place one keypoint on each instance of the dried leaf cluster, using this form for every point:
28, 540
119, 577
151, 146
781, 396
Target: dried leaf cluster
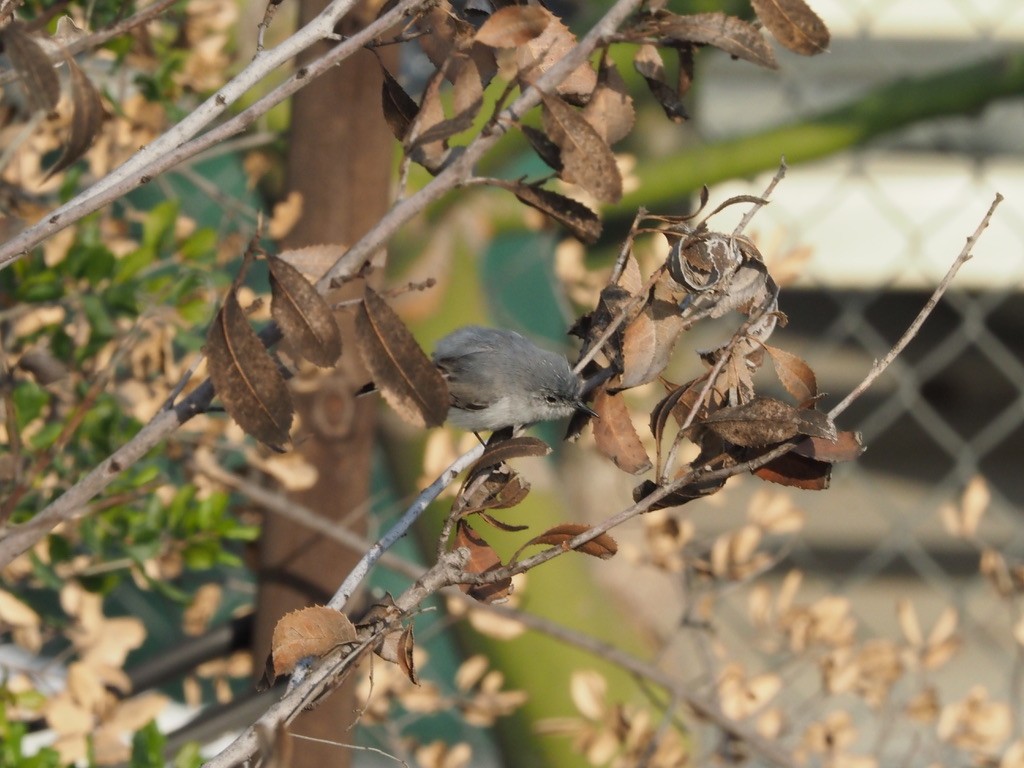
589, 110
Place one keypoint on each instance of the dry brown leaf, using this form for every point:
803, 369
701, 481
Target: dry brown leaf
794, 25
587, 160
426, 141
796, 375
602, 546
303, 315
582, 223
765, 421
615, 435
610, 109
246, 378
496, 452
541, 53
399, 107
406, 377
796, 471
308, 633
731, 34
648, 63
482, 558
513, 26
41, 84
87, 117
397, 647
846, 447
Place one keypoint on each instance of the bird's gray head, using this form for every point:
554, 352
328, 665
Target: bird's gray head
498, 378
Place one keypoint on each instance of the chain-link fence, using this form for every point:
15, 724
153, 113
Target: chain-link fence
882, 224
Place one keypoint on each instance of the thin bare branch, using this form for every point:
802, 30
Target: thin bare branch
765, 196
880, 365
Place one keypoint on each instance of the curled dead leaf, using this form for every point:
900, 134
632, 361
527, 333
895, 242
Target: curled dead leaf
602, 545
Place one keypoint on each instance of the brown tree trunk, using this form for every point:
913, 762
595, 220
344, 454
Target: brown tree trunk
339, 159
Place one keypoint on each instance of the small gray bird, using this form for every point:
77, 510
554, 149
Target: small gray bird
498, 379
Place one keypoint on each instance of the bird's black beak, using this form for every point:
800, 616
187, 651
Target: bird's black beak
581, 406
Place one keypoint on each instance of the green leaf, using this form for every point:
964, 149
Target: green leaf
60, 548
130, 265
201, 243
148, 747
189, 756
243, 533
46, 436
41, 286
98, 314
200, 556
29, 400
158, 229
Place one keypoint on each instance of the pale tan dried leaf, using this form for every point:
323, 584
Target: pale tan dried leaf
15, 613
774, 512
974, 503
1018, 631
944, 626
909, 624
1013, 757
285, 216
134, 713
924, 706
313, 260
939, 654
743, 543
201, 610
86, 689
440, 754
292, 470
471, 671
787, 591
497, 627
66, 717
771, 723
588, 689
110, 643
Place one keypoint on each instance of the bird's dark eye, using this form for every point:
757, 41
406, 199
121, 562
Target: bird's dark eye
550, 399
